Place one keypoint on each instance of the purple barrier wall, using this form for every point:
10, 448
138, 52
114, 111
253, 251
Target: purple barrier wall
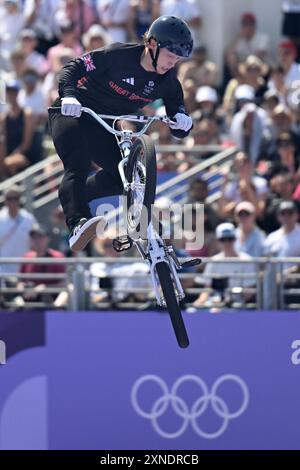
119, 381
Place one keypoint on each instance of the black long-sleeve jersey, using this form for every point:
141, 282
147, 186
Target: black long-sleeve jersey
111, 80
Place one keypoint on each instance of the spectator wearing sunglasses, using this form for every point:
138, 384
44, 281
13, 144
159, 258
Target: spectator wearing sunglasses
222, 275
15, 226
286, 240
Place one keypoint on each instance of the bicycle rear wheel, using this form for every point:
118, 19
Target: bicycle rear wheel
141, 173
164, 275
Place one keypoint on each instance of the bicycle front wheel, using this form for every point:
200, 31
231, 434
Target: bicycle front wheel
164, 275
139, 199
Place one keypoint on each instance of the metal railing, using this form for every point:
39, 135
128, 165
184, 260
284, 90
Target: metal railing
271, 284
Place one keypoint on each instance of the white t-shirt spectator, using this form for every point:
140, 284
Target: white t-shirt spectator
226, 269
281, 244
14, 236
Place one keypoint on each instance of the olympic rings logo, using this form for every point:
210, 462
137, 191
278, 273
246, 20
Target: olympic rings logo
179, 406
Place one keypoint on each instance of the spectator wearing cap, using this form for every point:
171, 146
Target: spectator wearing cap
198, 192
67, 39
18, 147
222, 272
15, 226
248, 41
34, 60
249, 238
285, 242
11, 23
208, 246
282, 122
277, 83
95, 38
244, 94
39, 240
199, 69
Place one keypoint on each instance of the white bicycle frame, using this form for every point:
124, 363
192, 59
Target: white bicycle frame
156, 251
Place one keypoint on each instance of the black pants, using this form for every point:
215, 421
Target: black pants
78, 142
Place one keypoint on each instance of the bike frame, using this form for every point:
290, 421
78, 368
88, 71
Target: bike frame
156, 250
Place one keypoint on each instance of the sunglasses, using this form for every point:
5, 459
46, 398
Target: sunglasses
12, 198
286, 143
244, 214
227, 239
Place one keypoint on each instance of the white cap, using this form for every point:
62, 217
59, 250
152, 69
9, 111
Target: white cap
244, 92
246, 206
206, 93
225, 230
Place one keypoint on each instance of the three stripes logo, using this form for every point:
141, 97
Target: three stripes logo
128, 80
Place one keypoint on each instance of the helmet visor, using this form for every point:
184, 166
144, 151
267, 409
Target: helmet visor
180, 49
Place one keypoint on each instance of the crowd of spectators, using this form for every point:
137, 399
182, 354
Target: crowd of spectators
252, 104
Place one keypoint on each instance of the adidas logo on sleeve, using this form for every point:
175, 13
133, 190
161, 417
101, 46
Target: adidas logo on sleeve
128, 80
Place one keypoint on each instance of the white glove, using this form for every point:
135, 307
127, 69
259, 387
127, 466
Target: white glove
183, 122
70, 106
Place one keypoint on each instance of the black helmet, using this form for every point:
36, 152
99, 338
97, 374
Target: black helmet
172, 33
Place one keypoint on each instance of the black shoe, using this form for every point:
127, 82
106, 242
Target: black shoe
85, 231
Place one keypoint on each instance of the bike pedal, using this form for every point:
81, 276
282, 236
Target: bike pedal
191, 263
122, 243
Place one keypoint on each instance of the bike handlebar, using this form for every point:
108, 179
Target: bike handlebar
141, 119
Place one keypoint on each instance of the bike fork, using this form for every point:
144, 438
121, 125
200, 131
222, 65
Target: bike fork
157, 252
